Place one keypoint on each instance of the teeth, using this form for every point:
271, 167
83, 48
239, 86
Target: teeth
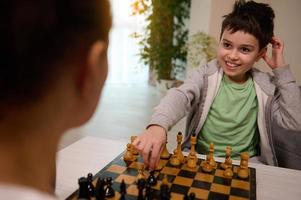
231, 64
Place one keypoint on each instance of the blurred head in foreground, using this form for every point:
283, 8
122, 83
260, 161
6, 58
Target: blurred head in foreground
53, 67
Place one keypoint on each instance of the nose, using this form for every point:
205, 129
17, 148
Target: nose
233, 54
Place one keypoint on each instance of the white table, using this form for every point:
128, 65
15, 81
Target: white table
90, 154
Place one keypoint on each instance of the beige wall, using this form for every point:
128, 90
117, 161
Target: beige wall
219, 9
287, 25
200, 12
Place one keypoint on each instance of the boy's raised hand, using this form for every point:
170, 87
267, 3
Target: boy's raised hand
277, 59
150, 144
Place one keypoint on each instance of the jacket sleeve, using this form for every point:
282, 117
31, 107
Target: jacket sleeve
178, 101
287, 105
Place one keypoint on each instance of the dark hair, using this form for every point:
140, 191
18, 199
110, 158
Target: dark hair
37, 36
253, 18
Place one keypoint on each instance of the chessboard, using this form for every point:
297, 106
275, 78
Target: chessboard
182, 180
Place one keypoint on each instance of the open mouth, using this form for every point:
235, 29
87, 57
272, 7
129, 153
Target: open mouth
231, 65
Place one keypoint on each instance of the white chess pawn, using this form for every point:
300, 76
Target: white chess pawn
243, 170
228, 160
129, 156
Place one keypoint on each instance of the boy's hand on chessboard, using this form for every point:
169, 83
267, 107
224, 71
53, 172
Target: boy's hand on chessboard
277, 59
150, 144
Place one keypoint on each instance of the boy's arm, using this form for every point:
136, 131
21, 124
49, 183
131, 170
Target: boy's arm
178, 101
287, 110
171, 109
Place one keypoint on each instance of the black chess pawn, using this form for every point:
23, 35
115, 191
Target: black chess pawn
108, 190
152, 180
141, 186
122, 190
190, 197
91, 187
148, 192
99, 189
164, 192
83, 192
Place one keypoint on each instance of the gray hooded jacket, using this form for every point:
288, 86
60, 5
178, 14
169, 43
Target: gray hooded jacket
279, 99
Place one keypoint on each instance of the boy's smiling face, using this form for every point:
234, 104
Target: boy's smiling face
237, 53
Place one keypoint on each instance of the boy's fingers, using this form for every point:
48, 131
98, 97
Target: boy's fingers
139, 144
146, 153
277, 43
154, 156
158, 157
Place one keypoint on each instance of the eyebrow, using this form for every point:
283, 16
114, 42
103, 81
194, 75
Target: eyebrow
244, 45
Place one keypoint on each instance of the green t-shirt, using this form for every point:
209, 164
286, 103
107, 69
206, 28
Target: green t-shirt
231, 120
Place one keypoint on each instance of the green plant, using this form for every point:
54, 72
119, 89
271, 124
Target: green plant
201, 48
165, 35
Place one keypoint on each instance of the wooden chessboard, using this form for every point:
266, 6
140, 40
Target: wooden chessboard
182, 180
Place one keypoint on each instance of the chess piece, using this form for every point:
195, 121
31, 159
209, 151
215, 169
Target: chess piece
206, 167
99, 189
211, 155
165, 153
165, 180
243, 170
152, 180
192, 158
159, 167
108, 190
134, 150
228, 160
129, 156
83, 192
148, 192
122, 190
177, 158
228, 173
140, 172
140, 185
164, 189
179, 149
174, 160
192, 196
90, 185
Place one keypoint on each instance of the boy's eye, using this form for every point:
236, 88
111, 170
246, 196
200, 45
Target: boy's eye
245, 50
226, 45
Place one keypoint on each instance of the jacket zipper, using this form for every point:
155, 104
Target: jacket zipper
269, 128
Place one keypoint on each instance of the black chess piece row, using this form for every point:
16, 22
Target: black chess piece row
102, 190
165, 192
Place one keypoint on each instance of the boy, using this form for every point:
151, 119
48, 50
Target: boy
230, 103
53, 67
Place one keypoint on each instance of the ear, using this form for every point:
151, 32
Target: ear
91, 78
93, 73
97, 54
261, 53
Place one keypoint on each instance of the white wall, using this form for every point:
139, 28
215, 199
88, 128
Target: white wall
200, 12
287, 25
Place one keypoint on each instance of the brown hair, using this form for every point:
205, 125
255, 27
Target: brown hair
253, 18
38, 35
